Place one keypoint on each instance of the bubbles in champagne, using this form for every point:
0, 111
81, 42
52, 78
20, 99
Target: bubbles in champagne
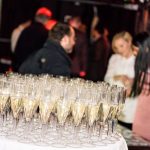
104, 111
78, 110
16, 106
46, 108
92, 113
29, 108
3, 102
63, 108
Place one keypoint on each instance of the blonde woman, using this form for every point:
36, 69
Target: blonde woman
120, 71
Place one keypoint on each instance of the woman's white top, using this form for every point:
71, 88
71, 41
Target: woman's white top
119, 65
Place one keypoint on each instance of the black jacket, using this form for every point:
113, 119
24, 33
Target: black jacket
51, 59
31, 39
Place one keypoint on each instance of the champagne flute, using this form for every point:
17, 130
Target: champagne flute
78, 110
5, 87
46, 105
104, 110
63, 108
16, 100
30, 105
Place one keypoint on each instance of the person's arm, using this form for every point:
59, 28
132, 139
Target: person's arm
128, 82
110, 73
94, 22
121, 77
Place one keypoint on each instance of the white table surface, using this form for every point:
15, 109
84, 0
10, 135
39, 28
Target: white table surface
8, 142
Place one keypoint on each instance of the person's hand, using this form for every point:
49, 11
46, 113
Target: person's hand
128, 91
124, 79
127, 82
119, 78
135, 50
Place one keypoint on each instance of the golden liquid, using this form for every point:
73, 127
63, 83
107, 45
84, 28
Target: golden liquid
119, 110
106, 108
16, 106
121, 107
63, 109
92, 113
78, 110
45, 110
114, 110
30, 107
54, 107
104, 111
3, 102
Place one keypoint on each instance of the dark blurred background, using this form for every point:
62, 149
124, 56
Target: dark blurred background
130, 15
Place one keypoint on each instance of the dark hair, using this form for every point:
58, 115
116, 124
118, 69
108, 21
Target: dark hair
41, 18
59, 31
100, 28
75, 17
142, 69
139, 38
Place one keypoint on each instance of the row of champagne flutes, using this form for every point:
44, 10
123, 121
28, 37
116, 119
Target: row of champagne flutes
69, 107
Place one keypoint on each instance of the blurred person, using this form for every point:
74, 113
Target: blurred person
94, 23
16, 33
50, 24
141, 90
80, 52
120, 71
83, 28
99, 53
32, 38
53, 57
139, 39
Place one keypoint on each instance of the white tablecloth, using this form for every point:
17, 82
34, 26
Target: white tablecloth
15, 139
7, 144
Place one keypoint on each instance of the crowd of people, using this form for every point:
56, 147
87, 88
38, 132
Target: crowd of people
48, 46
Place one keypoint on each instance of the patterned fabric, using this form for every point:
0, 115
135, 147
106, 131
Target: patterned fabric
141, 124
146, 86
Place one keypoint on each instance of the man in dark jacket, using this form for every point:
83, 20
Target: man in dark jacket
52, 58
